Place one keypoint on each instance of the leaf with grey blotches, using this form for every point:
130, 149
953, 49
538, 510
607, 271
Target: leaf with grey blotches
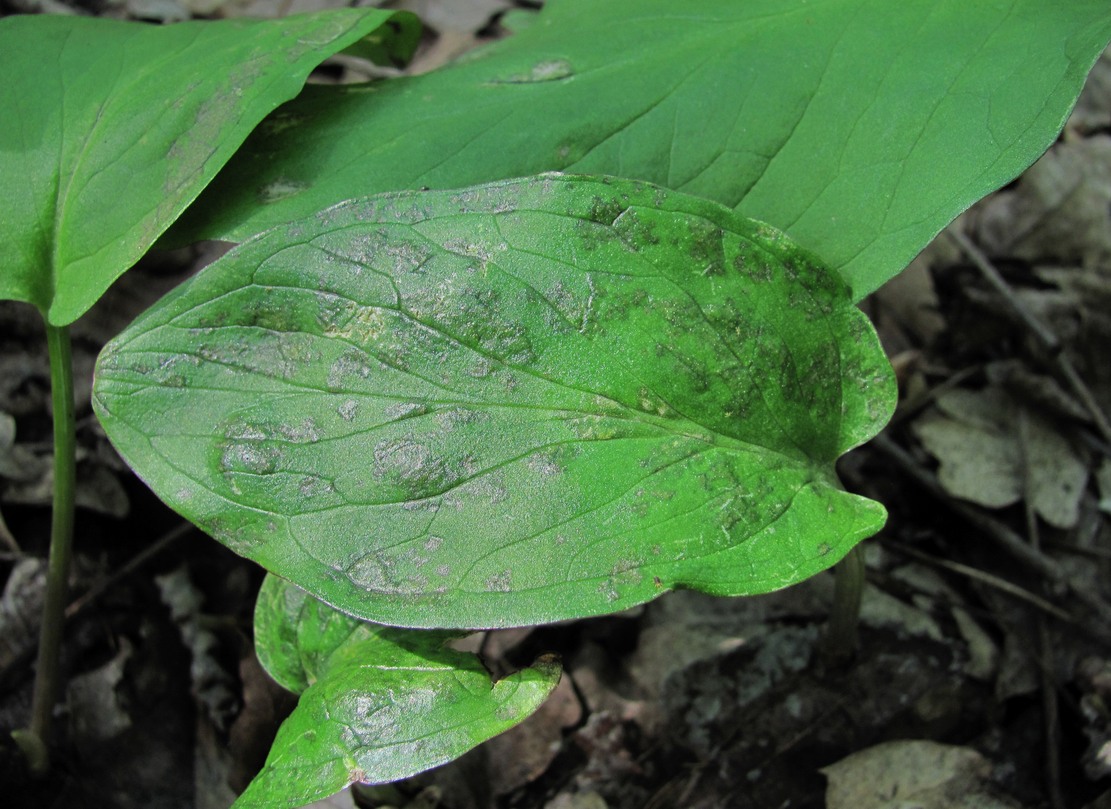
377, 704
994, 451
516, 403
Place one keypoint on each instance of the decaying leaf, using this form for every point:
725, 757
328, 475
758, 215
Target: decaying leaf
995, 450
918, 774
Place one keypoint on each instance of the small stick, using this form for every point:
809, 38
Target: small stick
1003, 536
101, 587
1050, 715
25, 656
1043, 333
989, 579
7, 538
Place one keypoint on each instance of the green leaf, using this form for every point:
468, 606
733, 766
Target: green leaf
512, 404
110, 129
378, 704
860, 127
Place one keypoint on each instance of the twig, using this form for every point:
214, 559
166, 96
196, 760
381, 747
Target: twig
999, 533
24, 657
989, 579
101, 587
1050, 715
1050, 342
7, 538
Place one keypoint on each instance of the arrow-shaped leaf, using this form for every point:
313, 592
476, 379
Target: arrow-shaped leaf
108, 130
512, 404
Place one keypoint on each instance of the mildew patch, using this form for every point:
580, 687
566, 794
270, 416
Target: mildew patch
453, 418
546, 70
279, 189
501, 582
350, 366
257, 459
413, 466
358, 324
488, 489
377, 573
406, 410
348, 410
544, 464
304, 432
314, 486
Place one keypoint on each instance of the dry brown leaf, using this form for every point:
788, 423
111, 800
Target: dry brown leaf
993, 450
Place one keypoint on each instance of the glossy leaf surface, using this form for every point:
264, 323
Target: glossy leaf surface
860, 127
377, 704
512, 404
108, 130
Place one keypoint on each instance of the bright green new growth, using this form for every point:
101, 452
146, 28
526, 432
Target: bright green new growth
517, 403
109, 130
859, 127
377, 704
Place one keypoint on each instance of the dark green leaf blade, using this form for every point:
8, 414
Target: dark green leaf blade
861, 128
512, 404
378, 704
110, 129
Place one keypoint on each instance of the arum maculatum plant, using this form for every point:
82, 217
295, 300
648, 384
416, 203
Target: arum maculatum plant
517, 400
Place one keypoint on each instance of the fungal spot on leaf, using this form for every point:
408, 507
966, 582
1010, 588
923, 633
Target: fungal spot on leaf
304, 432
256, 459
547, 70
360, 324
544, 464
314, 485
348, 409
605, 210
499, 582
279, 189
405, 410
376, 572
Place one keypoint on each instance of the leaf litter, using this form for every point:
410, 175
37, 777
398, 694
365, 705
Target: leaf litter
748, 665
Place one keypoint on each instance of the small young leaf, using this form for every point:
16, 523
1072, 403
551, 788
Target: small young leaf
517, 403
110, 129
859, 127
377, 704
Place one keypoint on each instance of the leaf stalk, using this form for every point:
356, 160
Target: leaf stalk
34, 740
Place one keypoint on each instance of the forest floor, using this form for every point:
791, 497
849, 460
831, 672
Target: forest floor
982, 673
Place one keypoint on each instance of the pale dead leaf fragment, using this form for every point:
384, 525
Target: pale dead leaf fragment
992, 449
1060, 211
468, 16
912, 774
979, 460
